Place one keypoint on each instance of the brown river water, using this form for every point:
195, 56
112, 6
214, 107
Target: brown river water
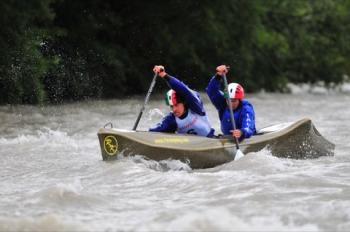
52, 177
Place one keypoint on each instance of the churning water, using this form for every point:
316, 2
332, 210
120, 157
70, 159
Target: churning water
52, 177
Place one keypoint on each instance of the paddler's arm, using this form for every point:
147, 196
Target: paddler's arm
215, 95
192, 99
168, 124
213, 90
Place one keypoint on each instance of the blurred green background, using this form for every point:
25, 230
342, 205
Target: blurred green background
55, 51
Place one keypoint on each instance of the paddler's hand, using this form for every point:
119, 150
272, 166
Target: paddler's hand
236, 133
159, 69
221, 70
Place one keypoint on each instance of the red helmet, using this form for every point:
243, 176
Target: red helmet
235, 91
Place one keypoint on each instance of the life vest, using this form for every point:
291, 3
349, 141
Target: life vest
193, 124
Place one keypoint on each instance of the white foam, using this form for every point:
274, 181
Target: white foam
222, 219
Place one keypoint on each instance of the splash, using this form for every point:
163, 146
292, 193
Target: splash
161, 166
155, 113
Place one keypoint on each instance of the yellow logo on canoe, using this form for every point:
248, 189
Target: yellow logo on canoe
110, 145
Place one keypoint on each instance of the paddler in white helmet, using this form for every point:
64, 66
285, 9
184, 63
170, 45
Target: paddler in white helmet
243, 110
187, 114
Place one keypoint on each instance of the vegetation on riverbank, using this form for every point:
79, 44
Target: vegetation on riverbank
59, 50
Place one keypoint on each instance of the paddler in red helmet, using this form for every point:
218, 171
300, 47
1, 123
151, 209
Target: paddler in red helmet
243, 110
187, 114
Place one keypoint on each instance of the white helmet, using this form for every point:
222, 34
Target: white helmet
235, 90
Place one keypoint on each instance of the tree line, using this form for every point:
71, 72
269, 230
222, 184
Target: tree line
55, 51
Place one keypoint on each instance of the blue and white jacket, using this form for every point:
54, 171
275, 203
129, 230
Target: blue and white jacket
194, 120
244, 114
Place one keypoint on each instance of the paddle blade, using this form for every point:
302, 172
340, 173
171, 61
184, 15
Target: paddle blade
238, 155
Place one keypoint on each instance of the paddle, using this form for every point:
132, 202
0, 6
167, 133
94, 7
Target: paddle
146, 100
239, 154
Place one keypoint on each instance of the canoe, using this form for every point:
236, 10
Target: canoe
296, 140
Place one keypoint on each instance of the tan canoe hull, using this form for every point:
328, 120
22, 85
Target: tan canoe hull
298, 140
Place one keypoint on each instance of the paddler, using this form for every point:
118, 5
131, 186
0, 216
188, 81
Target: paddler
187, 114
243, 110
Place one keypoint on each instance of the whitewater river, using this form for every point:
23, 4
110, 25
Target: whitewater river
52, 177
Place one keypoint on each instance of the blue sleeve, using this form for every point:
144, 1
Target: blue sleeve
168, 124
248, 121
191, 97
215, 96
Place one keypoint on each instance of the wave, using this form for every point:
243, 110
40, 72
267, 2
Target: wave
48, 222
42, 136
262, 162
65, 194
223, 219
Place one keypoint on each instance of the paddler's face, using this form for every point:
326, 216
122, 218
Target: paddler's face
178, 109
234, 103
